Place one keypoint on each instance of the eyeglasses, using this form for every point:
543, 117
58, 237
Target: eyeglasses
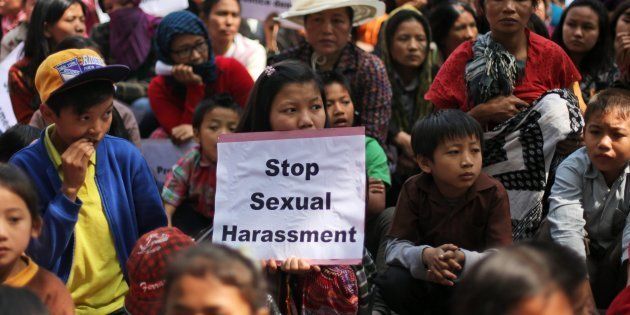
186, 52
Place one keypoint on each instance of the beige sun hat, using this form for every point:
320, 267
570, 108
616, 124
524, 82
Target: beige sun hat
364, 10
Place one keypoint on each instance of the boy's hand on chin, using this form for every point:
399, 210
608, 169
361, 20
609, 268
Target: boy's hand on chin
74, 163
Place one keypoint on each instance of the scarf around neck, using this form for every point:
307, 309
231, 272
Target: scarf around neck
131, 31
492, 72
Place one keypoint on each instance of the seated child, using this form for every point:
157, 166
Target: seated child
217, 278
444, 216
341, 113
590, 196
522, 279
147, 269
192, 182
19, 222
96, 192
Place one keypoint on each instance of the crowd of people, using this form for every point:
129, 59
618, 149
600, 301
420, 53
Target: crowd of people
497, 143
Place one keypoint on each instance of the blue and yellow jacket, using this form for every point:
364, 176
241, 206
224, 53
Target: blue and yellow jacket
130, 197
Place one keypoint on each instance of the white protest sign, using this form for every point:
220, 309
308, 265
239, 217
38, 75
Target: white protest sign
163, 7
7, 117
261, 9
293, 193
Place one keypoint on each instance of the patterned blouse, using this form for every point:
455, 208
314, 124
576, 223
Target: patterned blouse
370, 86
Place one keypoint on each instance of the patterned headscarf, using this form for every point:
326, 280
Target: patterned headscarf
184, 22
425, 77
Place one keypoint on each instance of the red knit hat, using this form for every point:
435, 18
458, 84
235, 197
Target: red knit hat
147, 268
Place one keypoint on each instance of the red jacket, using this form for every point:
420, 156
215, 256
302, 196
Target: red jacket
172, 111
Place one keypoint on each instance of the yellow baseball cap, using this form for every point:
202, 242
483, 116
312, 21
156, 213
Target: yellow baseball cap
72, 67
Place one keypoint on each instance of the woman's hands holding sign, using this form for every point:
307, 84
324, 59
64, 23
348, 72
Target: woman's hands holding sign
292, 265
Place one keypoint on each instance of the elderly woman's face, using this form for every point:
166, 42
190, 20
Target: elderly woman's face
328, 31
508, 16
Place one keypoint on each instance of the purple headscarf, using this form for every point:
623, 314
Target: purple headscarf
130, 34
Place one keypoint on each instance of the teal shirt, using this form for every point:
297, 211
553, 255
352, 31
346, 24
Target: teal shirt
376, 161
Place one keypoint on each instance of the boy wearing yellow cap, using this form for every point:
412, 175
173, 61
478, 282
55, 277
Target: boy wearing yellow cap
98, 195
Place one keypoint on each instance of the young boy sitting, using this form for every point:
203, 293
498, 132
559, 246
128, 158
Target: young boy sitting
97, 193
445, 216
590, 197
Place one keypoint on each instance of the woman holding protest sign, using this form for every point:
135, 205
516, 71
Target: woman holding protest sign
328, 46
503, 79
223, 18
289, 96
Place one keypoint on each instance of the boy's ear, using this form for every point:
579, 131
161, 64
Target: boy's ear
36, 227
48, 114
424, 163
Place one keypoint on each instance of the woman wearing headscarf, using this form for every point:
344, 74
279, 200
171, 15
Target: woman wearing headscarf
183, 43
328, 46
520, 87
405, 51
126, 39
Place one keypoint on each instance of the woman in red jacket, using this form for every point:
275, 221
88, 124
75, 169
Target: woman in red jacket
183, 41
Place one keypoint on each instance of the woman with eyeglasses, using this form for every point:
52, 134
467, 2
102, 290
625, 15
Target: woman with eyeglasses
183, 43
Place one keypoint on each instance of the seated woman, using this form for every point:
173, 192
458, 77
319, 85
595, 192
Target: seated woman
405, 51
502, 80
51, 22
223, 18
583, 34
452, 23
328, 46
183, 42
14, 37
126, 39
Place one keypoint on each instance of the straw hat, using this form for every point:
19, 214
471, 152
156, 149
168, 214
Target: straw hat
364, 10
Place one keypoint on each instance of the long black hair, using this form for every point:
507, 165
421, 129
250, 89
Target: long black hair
600, 57
621, 8
36, 46
442, 18
267, 86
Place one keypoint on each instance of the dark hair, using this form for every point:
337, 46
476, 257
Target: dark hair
440, 126
608, 100
267, 86
600, 57
223, 263
15, 139
497, 283
77, 42
403, 16
20, 301
222, 100
15, 180
331, 77
81, 97
569, 279
442, 18
36, 46
209, 4
538, 26
621, 8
